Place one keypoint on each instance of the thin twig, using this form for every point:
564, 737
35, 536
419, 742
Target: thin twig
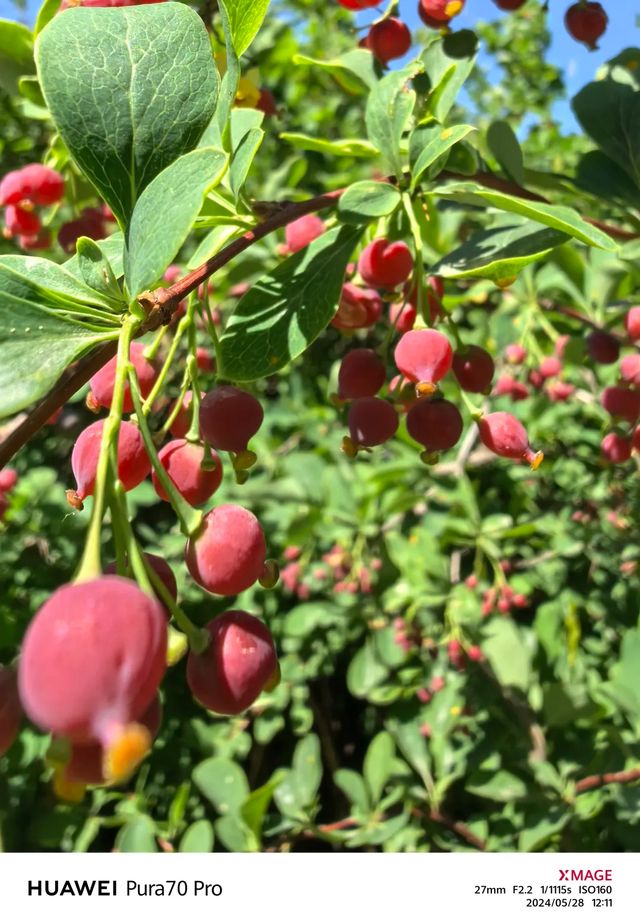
605, 779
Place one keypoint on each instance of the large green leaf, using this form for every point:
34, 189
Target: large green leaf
346, 147
506, 149
245, 18
429, 143
367, 199
222, 782
355, 71
609, 112
559, 217
113, 249
165, 213
287, 309
16, 54
501, 252
599, 175
389, 107
448, 62
130, 90
35, 279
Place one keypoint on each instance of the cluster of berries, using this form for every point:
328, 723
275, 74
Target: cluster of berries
21, 192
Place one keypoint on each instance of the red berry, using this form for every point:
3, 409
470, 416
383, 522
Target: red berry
361, 374
615, 448
372, 421
402, 317
162, 568
299, 233
438, 13
20, 221
385, 264
437, 425
39, 241
358, 4
507, 385
133, 462
550, 367
630, 369
475, 653
515, 354
424, 357
388, 39
35, 183
635, 440
227, 555
586, 22
358, 308
435, 294
89, 224
632, 323
229, 417
182, 422
238, 664
560, 391
10, 710
102, 383
204, 360
183, 464
535, 379
622, 403
267, 103
509, 4
91, 663
504, 434
560, 345
603, 348
8, 479
473, 367
172, 273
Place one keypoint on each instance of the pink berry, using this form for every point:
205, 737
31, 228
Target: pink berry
358, 308
8, 479
133, 462
473, 367
586, 21
240, 661
21, 221
292, 552
630, 369
424, 357
89, 224
475, 653
560, 391
402, 317
389, 39
615, 448
550, 367
361, 374
229, 417
622, 403
507, 385
439, 13
204, 360
372, 421
560, 345
299, 233
34, 183
602, 347
385, 264
632, 323
172, 273
102, 383
162, 568
437, 425
504, 434
227, 554
515, 354
10, 710
182, 421
183, 463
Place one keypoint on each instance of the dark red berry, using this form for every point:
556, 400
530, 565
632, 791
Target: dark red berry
21, 221
437, 425
473, 367
358, 308
389, 39
385, 264
603, 348
10, 709
372, 421
504, 434
358, 4
229, 417
509, 4
615, 448
586, 21
361, 374
622, 403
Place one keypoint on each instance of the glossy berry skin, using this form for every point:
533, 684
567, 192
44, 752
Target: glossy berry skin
227, 554
437, 425
389, 39
183, 463
358, 4
603, 348
385, 264
233, 671
164, 571
10, 709
102, 383
358, 308
629, 370
473, 368
504, 434
586, 22
92, 659
182, 421
615, 448
229, 417
372, 421
424, 357
8, 479
34, 183
439, 13
402, 317
509, 4
299, 233
20, 221
632, 323
133, 461
361, 374
622, 403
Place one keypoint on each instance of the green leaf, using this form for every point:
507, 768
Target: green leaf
378, 764
508, 654
602, 177
297, 791
609, 112
363, 201
346, 147
255, 808
137, 836
243, 158
624, 674
113, 249
365, 671
235, 835
353, 786
48, 283
287, 309
505, 147
559, 217
500, 252
213, 242
429, 143
355, 71
222, 782
389, 107
125, 123
96, 271
165, 213
198, 838
245, 18
536, 834
501, 786
447, 64
45, 14
16, 54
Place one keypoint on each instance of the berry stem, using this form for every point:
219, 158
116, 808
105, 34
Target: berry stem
183, 325
418, 275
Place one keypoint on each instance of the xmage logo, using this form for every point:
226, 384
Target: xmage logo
586, 875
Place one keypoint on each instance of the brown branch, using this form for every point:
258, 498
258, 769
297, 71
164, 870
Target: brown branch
605, 779
458, 828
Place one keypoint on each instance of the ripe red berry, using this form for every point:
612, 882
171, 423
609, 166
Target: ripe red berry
358, 308
227, 554
8, 479
204, 360
361, 374
424, 357
615, 448
504, 434
435, 294
10, 710
102, 383
358, 4
133, 461
389, 39
385, 264
603, 348
182, 421
267, 102
39, 241
438, 13
91, 663
21, 221
515, 354
473, 367
550, 367
586, 21
632, 323
236, 667
509, 4
89, 224
622, 403
402, 317
34, 183
183, 464
507, 385
437, 425
229, 417
630, 369
164, 571
560, 391
372, 422
299, 233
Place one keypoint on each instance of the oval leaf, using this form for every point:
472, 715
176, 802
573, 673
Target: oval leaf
366, 200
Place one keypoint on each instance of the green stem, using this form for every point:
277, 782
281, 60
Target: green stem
152, 350
183, 325
416, 232
193, 434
